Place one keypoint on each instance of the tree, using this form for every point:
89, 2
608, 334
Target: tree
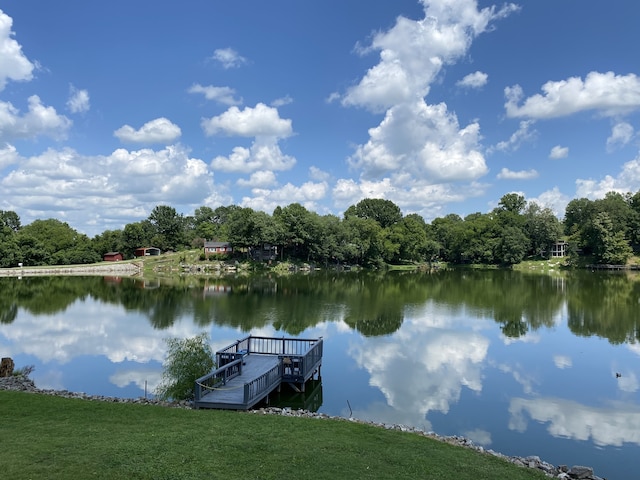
385, 212
10, 219
610, 246
169, 227
187, 360
542, 227
512, 246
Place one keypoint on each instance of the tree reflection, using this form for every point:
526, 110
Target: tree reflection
374, 304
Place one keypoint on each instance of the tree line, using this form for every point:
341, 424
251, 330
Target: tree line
371, 233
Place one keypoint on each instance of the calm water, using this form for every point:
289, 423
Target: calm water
523, 364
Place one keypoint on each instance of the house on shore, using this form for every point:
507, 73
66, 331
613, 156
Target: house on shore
559, 249
217, 248
113, 257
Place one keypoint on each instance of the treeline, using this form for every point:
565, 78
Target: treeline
371, 233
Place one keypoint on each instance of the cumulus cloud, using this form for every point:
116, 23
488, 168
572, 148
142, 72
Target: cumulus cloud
418, 148
474, 80
14, 65
522, 135
78, 100
553, 199
506, 174
412, 53
424, 141
264, 154
627, 180
223, 95
106, 190
621, 134
607, 93
308, 194
261, 121
39, 120
160, 130
8, 156
261, 179
558, 152
228, 58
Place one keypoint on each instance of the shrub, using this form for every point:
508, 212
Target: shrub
187, 360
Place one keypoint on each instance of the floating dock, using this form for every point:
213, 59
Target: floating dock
251, 368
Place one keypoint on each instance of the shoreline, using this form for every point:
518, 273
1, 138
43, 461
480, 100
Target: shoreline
576, 472
128, 269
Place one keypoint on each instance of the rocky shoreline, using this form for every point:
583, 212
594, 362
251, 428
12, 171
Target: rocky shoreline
576, 472
109, 268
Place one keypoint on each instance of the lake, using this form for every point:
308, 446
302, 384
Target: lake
524, 364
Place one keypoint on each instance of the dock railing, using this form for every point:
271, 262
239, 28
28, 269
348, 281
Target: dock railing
217, 379
299, 359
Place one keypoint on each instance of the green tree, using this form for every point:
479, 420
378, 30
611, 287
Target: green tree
10, 219
169, 226
136, 235
187, 360
542, 227
512, 246
385, 212
610, 246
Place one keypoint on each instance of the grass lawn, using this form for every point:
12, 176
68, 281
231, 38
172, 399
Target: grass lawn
47, 437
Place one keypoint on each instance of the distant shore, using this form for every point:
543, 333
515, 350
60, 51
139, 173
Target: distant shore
128, 269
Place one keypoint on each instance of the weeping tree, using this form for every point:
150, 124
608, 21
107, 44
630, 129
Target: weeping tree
187, 360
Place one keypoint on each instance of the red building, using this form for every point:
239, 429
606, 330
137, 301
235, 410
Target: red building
113, 257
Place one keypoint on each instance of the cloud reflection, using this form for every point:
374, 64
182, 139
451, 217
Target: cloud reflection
568, 419
421, 368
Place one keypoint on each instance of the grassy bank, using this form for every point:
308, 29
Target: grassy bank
52, 437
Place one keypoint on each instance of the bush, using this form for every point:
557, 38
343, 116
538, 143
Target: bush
187, 360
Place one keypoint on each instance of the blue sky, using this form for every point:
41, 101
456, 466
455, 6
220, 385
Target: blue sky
109, 109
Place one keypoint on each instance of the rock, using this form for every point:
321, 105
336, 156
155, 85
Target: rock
578, 472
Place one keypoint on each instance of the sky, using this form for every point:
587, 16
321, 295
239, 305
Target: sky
108, 109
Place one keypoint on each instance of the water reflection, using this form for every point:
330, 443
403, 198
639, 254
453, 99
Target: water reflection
515, 361
613, 425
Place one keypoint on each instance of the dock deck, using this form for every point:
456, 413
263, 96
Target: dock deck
251, 368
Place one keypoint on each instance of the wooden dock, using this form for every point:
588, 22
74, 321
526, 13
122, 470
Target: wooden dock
251, 368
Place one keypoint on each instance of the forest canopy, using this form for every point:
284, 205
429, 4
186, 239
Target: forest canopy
372, 233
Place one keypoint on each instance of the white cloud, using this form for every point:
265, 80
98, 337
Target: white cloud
558, 152
264, 154
228, 58
13, 64
8, 156
606, 93
223, 95
308, 194
279, 102
105, 192
39, 120
412, 52
78, 100
260, 179
474, 80
621, 134
424, 141
506, 174
520, 136
317, 174
627, 180
261, 121
160, 130
554, 200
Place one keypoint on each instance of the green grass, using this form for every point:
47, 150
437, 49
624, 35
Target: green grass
51, 437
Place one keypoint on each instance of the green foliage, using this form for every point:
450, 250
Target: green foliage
187, 360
